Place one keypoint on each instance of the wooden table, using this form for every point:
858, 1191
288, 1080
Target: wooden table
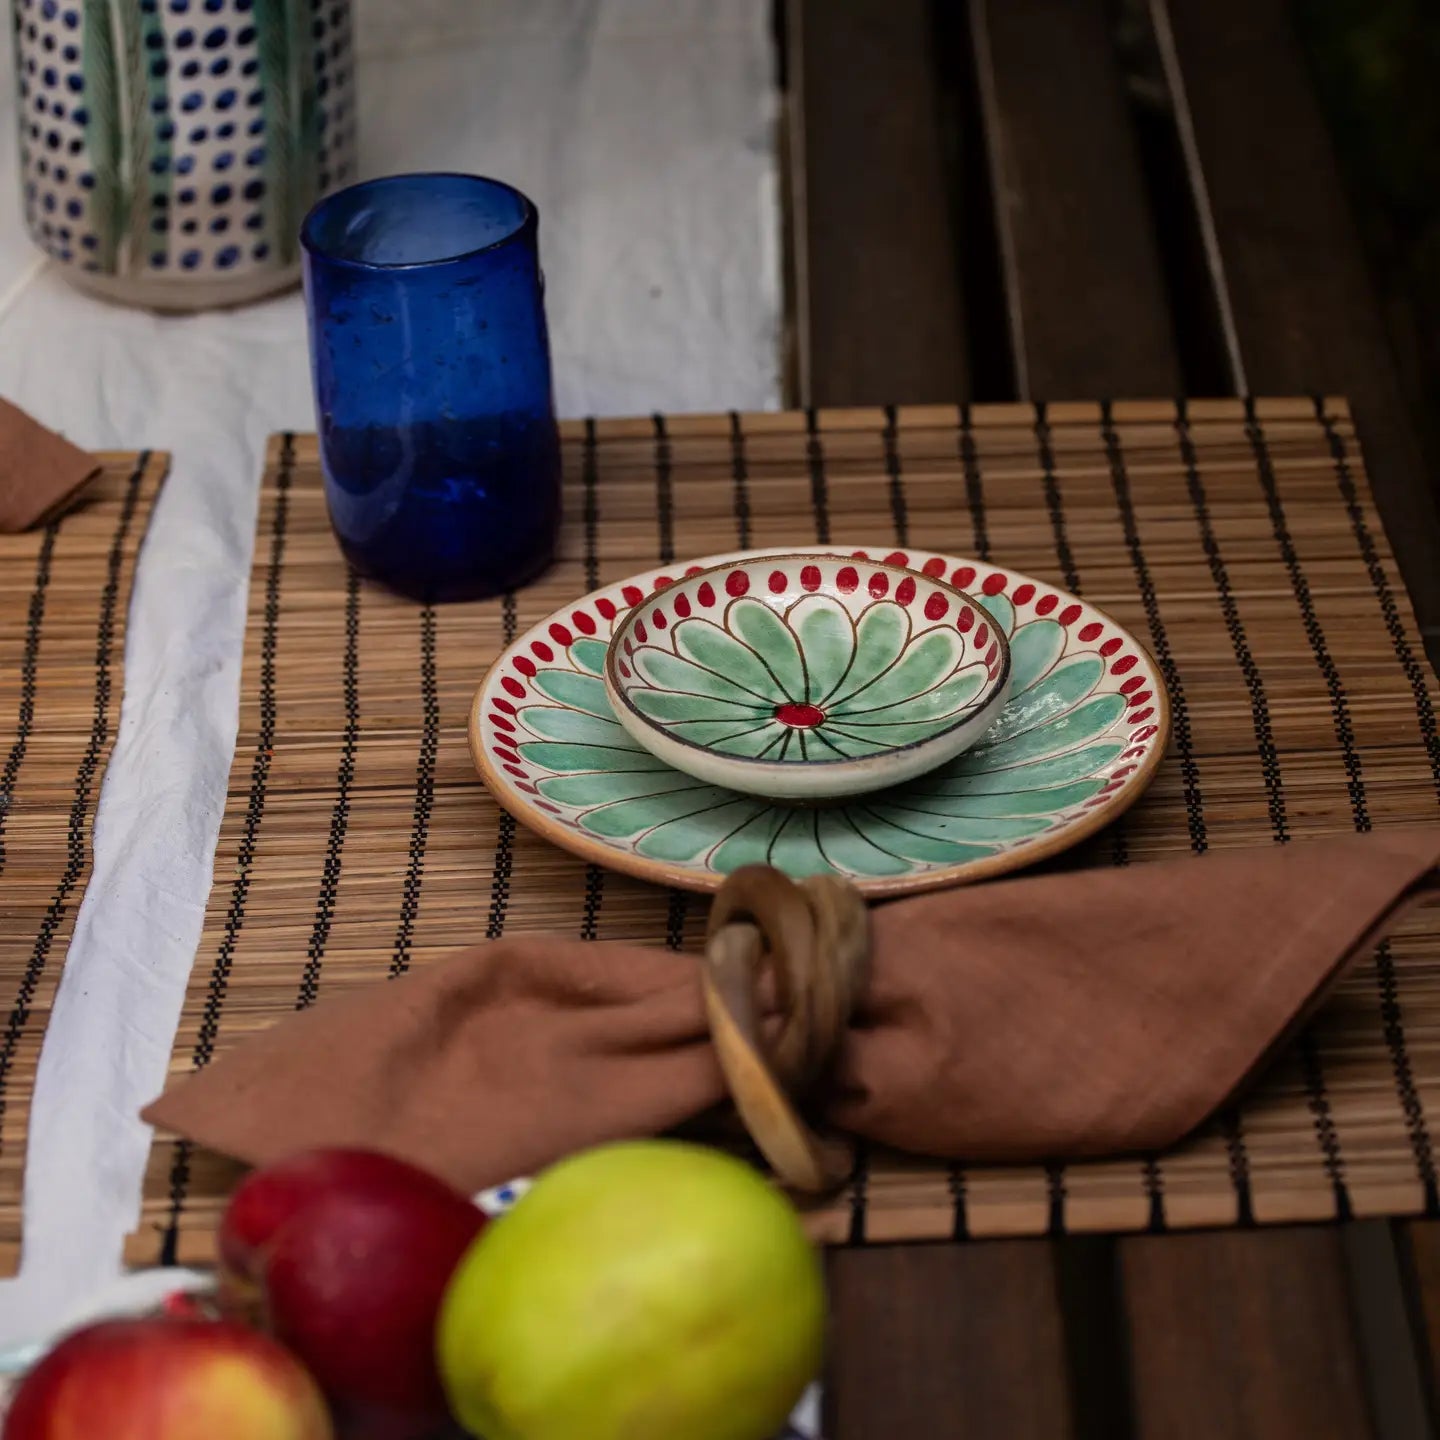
1023, 199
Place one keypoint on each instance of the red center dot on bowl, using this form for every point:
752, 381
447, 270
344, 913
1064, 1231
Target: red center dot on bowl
810, 577
800, 716
879, 584
737, 582
777, 581
905, 590
847, 579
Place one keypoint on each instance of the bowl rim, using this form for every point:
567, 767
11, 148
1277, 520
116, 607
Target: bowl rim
998, 686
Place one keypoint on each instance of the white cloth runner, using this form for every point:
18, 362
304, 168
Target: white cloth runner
643, 130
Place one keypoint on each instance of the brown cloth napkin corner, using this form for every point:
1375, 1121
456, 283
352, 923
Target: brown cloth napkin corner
39, 470
1048, 1017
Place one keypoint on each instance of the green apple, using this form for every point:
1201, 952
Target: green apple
648, 1290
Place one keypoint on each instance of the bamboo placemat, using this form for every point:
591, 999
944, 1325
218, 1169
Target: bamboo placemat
1240, 544
64, 598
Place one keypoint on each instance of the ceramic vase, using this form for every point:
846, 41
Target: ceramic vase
170, 148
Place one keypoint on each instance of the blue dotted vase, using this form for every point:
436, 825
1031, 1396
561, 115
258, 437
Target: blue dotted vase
170, 148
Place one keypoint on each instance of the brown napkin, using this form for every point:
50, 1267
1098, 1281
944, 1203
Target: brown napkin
39, 470
1046, 1017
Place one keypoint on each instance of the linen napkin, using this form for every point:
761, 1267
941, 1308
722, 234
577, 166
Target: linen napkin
1048, 1017
39, 470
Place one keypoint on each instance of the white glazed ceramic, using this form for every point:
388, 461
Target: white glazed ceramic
807, 677
1077, 742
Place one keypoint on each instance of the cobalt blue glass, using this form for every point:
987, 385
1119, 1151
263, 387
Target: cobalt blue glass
432, 382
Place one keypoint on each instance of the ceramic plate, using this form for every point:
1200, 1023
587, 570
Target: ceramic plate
1076, 744
806, 676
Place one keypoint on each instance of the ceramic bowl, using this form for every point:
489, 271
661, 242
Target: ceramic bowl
809, 676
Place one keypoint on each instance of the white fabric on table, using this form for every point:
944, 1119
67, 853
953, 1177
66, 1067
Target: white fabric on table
643, 131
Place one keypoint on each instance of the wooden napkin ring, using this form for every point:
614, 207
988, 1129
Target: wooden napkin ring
814, 939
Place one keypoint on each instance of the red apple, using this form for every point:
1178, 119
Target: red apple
352, 1252
168, 1379
270, 1196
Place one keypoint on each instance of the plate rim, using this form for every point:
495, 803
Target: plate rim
680, 877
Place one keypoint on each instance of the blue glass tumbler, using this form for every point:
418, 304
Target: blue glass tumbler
432, 382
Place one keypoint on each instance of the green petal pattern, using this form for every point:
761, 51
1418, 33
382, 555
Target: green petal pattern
880, 685
1081, 718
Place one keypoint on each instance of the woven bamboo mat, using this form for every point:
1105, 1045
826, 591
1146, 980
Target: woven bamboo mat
64, 598
1243, 548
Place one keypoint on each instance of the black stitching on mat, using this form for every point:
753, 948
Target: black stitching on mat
1151, 1174
740, 473
664, 508
1154, 1182
1220, 577
1230, 1120
424, 794
1159, 639
504, 862
1392, 1018
25, 715
819, 485
1239, 1158
675, 914
859, 1194
594, 898
974, 484
1056, 511
309, 987
1394, 626
84, 786
249, 836
1387, 980
1055, 507
1313, 1071
1300, 586
899, 509
960, 1218
1119, 852
1056, 1196
664, 491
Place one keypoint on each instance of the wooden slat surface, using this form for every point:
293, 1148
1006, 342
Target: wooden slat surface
871, 205
1086, 298
1235, 1335
945, 1341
